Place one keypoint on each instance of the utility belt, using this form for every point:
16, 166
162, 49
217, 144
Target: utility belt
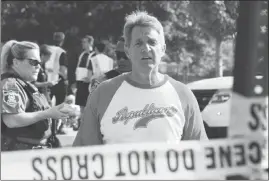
21, 143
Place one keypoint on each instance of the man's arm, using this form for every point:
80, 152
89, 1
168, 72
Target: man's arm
89, 131
194, 128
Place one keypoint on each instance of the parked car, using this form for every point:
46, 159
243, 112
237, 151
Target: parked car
214, 98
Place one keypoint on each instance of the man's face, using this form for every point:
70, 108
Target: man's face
86, 44
146, 49
123, 61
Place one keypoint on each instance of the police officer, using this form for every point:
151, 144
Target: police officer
26, 113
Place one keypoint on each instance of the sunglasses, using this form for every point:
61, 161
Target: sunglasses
121, 55
34, 62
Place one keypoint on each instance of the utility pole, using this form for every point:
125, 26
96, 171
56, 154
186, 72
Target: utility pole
249, 106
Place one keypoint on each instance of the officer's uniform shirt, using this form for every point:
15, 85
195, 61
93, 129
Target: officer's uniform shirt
14, 97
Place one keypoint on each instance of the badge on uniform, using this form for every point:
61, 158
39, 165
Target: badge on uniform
11, 97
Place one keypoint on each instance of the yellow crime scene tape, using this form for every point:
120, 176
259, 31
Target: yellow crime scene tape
215, 159
249, 118
244, 153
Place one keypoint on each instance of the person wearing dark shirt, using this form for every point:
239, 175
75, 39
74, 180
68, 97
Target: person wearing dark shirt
84, 71
72, 45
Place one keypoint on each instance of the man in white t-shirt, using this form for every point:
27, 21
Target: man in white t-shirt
143, 105
56, 68
101, 63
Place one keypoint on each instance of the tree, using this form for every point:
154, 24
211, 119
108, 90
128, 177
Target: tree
218, 20
185, 37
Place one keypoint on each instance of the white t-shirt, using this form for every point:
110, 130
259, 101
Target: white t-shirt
122, 111
82, 70
52, 66
101, 63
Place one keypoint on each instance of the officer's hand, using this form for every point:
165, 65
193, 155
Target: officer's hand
56, 113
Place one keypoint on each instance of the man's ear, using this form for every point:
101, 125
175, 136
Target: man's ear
163, 49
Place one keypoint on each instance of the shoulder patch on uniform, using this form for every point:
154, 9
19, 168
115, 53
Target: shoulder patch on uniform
11, 97
10, 84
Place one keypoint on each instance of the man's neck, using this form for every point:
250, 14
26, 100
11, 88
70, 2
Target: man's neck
123, 70
88, 51
152, 78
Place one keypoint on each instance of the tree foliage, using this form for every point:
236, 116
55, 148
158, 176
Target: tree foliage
199, 34
218, 20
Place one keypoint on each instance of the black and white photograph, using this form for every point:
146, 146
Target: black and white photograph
134, 90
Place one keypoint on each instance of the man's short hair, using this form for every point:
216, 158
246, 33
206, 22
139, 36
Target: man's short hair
100, 46
142, 19
44, 50
89, 38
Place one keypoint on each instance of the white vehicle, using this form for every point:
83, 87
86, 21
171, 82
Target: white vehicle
214, 99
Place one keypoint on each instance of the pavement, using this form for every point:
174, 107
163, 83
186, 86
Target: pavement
68, 138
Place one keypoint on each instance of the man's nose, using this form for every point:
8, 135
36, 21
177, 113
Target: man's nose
146, 48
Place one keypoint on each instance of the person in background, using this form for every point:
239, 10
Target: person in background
101, 63
123, 65
26, 113
84, 72
142, 105
72, 45
56, 68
